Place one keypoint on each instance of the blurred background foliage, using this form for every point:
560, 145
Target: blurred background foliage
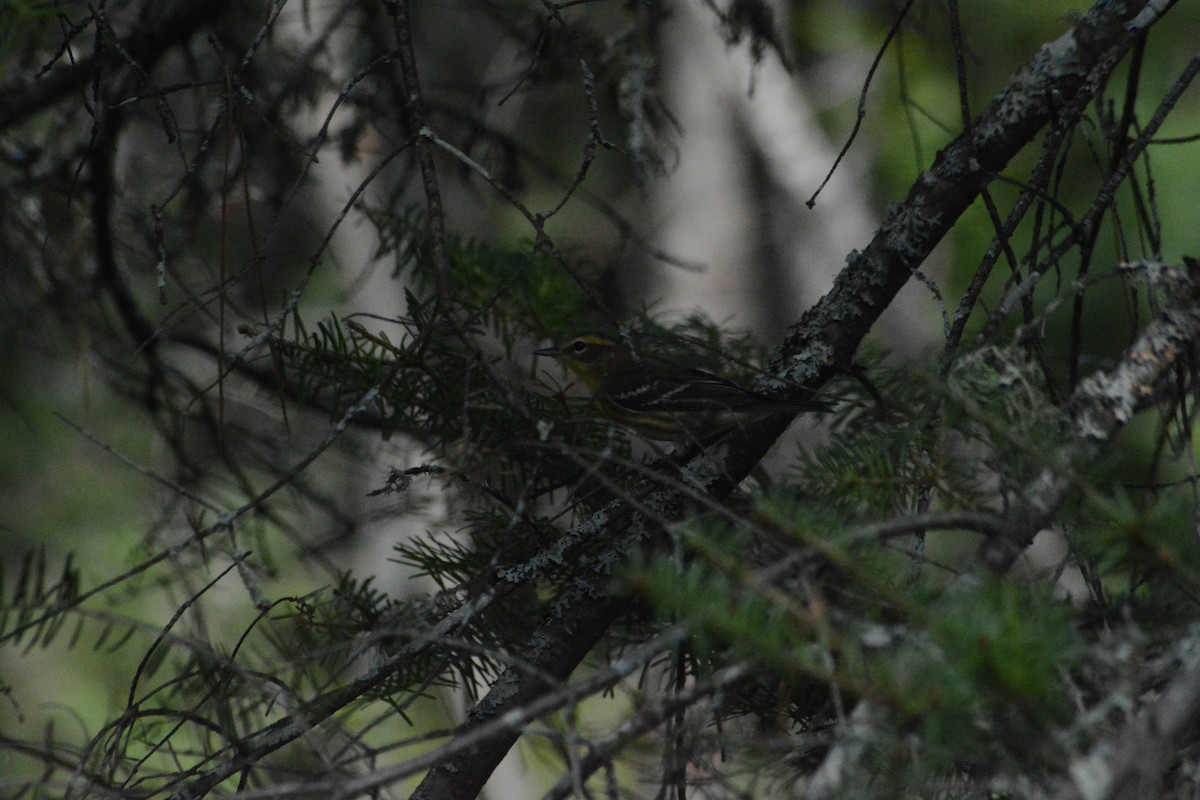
212, 258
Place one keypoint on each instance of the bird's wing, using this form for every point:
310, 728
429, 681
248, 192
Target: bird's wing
677, 390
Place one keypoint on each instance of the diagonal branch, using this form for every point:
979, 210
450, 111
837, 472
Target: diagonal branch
1065, 73
1102, 405
148, 42
1129, 763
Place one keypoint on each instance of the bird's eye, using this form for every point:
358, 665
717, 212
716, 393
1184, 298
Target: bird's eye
579, 347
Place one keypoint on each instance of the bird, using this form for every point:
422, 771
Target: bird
659, 399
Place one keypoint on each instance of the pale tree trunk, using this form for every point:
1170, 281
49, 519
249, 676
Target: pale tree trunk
750, 155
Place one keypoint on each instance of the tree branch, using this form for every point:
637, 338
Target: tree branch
823, 342
1128, 765
1102, 405
145, 45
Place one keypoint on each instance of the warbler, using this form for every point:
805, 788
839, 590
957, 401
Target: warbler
662, 400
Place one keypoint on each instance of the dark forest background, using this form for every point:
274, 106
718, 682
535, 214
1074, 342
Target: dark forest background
290, 509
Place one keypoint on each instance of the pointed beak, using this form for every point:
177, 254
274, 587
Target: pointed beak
553, 352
